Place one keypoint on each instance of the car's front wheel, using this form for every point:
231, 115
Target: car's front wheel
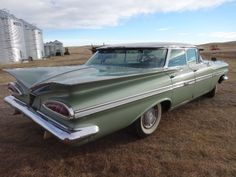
212, 93
149, 121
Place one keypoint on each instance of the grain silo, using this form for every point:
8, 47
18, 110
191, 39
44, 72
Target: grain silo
29, 40
4, 38
59, 49
19, 40
54, 48
33, 41
38, 38
12, 38
49, 49
46, 50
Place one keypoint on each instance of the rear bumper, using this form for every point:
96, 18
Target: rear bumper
58, 130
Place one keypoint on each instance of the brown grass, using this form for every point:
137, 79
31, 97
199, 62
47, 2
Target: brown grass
197, 139
224, 50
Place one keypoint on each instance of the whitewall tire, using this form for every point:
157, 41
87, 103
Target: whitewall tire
149, 121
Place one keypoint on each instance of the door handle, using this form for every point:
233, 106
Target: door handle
172, 76
195, 70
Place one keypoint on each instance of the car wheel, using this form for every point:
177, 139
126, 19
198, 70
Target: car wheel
149, 121
212, 93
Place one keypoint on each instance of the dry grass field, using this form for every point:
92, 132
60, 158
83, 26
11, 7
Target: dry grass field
197, 139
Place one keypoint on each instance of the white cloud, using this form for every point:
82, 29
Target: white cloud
95, 13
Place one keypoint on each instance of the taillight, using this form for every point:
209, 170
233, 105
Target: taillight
59, 108
13, 89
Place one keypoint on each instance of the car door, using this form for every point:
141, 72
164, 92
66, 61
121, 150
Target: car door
202, 72
182, 79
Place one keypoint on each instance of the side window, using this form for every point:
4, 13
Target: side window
192, 55
177, 57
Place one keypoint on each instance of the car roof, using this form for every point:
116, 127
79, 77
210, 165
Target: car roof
149, 45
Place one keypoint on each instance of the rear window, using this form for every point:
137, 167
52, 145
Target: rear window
136, 58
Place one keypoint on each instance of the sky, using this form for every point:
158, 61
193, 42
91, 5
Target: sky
85, 22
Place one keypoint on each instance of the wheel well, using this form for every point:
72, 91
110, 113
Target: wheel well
166, 105
221, 79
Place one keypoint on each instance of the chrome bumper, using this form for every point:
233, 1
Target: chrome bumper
55, 129
225, 78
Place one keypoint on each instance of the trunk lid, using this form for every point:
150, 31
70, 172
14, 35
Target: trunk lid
74, 75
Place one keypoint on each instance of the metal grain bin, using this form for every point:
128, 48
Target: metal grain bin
18, 39
4, 39
38, 38
12, 38
33, 41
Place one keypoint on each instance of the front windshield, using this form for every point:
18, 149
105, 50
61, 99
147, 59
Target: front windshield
136, 58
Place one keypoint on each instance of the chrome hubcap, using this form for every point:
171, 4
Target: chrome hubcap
149, 118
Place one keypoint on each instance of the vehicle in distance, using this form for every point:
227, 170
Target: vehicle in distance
119, 86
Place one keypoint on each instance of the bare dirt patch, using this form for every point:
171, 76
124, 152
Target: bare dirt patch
197, 139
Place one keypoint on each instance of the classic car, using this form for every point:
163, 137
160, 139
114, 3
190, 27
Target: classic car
119, 86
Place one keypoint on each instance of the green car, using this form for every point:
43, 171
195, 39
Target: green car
119, 86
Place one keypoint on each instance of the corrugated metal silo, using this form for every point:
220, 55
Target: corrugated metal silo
29, 41
34, 41
38, 38
4, 38
46, 50
52, 48
59, 49
12, 41
17, 39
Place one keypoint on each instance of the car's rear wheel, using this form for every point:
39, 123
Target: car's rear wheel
212, 93
149, 121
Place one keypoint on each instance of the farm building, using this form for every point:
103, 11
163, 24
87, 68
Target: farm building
54, 48
19, 40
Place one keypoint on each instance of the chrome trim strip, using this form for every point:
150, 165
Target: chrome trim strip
15, 87
57, 124
207, 76
20, 102
218, 73
112, 104
57, 131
